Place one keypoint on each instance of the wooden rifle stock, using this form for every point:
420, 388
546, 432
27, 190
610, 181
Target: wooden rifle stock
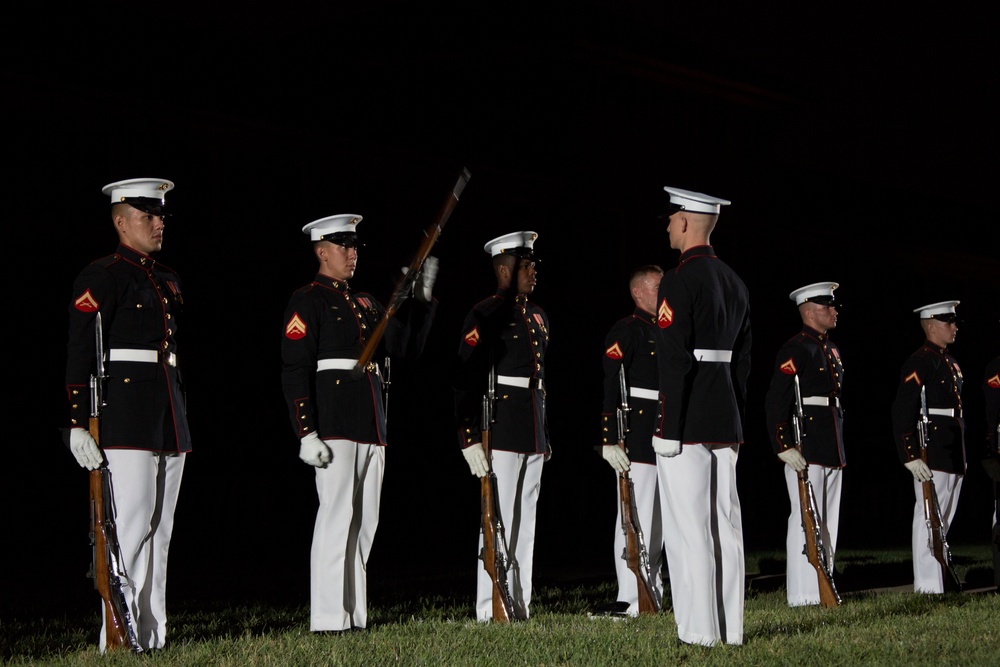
932, 509
635, 554
117, 628
405, 283
493, 550
814, 549
935, 528
812, 525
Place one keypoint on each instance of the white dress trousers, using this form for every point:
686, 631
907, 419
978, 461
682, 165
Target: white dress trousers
801, 582
927, 575
703, 537
647, 501
519, 478
349, 490
145, 486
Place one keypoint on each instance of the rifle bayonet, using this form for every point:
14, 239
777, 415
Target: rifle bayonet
623, 407
99, 376
798, 416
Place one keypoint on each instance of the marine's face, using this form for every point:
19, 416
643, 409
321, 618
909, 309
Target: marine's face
821, 317
139, 230
646, 292
339, 262
942, 333
526, 277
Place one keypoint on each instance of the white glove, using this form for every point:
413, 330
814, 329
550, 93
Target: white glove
85, 449
314, 451
425, 281
920, 471
616, 457
666, 448
794, 459
476, 458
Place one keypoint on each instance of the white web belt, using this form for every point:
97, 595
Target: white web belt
142, 356
721, 356
648, 394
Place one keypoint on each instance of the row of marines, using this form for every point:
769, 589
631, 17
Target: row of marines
685, 350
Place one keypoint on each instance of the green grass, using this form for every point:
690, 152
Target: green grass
876, 625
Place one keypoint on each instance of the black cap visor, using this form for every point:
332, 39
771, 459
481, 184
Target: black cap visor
146, 205
346, 239
824, 300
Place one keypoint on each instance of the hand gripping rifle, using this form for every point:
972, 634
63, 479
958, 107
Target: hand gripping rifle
106, 569
812, 525
494, 554
936, 541
635, 553
404, 285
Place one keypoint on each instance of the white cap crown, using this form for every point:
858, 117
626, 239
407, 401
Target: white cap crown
138, 188
344, 223
821, 293
934, 309
696, 202
509, 242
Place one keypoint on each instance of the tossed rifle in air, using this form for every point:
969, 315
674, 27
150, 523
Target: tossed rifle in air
812, 525
106, 569
494, 554
936, 541
635, 554
404, 285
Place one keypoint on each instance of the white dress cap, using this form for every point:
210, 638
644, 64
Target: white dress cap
508, 242
696, 202
333, 224
821, 293
138, 188
940, 308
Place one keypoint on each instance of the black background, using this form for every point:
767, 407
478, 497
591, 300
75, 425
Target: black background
855, 147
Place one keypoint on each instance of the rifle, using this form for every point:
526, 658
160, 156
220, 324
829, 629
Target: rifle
404, 285
936, 541
105, 568
635, 553
494, 554
812, 525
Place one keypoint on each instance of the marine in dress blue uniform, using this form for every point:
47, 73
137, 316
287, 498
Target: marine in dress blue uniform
144, 433
932, 368
811, 356
631, 344
507, 334
337, 411
703, 352
991, 457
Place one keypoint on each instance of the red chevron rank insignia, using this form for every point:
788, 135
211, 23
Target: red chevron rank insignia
788, 368
912, 376
664, 315
472, 337
296, 328
994, 382
614, 352
86, 303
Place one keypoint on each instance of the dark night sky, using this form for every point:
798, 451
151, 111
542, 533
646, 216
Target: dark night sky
859, 148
